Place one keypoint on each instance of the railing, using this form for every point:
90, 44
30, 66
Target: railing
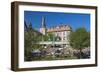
50, 42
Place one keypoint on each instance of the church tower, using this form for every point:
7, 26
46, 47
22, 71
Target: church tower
43, 26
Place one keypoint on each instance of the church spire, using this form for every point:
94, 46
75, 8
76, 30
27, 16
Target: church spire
43, 22
43, 26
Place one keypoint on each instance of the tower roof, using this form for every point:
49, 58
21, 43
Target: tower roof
59, 28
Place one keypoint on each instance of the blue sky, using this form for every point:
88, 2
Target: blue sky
75, 20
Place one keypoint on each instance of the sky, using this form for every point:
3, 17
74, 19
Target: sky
75, 20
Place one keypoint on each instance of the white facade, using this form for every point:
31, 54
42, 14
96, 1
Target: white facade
64, 35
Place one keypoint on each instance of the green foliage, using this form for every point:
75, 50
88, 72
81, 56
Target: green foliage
51, 36
48, 37
45, 38
80, 39
31, 40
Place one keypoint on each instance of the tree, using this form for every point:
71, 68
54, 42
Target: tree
51, 36
48, 37
45, 37
31, 39
80, 39
28, 41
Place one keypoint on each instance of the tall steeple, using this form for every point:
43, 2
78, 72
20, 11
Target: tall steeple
43, 22
43, 26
